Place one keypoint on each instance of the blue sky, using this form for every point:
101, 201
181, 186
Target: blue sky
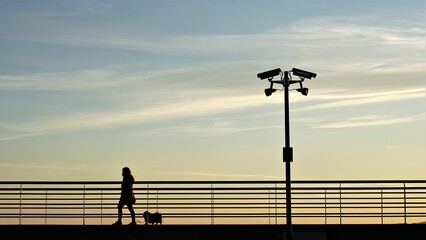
169, 88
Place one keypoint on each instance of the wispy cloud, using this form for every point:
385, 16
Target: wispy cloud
338, 45
319, 37
362, 30
46, 171
337, 100
65, 9
307, 34
339, 37
214, 175
209, 106
109, 119
77, 80
365, 121
217, 128
47, 167
16, 136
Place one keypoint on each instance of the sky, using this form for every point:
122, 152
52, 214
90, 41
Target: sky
169, 89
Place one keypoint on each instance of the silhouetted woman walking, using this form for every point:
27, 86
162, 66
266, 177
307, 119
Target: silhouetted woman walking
127, 196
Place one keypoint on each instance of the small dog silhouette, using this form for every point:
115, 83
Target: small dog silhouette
153, 218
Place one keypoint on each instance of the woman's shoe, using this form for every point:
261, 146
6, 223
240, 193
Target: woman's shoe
118, 223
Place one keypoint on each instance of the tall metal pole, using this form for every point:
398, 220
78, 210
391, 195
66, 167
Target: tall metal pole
287, 156
287, 150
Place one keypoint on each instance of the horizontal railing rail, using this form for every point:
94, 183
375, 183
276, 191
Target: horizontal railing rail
216, 202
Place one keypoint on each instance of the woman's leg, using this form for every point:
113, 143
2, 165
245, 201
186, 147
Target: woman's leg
132, 212
120, 212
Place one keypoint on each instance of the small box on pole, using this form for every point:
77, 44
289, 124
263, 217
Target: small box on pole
287, 154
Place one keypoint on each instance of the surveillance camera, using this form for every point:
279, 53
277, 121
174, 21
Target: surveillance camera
303, 91
303, 73
269, 74
269, 91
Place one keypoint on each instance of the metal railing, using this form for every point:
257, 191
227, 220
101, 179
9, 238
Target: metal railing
216, 202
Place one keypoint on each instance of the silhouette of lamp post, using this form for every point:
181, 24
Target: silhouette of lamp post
286, 81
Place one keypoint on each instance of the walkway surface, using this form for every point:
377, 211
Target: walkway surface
214, 232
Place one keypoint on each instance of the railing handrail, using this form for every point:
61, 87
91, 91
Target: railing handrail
218, 182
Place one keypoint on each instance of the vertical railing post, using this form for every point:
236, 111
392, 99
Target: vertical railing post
84, 204
45, 208
405, 204
276, 202
147, 198
269, 206
157, 200
340, 202
20, 204
325, 206
102, 206
381, 205
212, 204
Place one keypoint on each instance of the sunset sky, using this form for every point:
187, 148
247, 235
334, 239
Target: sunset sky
169, 89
